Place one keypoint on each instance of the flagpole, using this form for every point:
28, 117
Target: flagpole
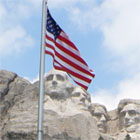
42, 71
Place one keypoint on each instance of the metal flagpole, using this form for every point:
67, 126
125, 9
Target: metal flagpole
42, 70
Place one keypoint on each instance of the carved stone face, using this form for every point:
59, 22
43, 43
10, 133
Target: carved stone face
130, 117
56, 84
81, 99
100, 115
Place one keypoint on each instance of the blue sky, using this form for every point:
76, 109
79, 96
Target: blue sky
107, 33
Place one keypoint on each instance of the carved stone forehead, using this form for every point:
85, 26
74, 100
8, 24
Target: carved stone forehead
96, 105
129, 107
58, 72
98, 108
128, 103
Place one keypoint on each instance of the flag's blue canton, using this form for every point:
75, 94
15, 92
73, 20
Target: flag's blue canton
52, 26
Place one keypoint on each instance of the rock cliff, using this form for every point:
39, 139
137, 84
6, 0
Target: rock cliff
68, 111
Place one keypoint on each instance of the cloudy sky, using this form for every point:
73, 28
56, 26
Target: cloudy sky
107, 33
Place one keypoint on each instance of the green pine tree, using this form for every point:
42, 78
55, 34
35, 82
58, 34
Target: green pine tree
101, 138
127, 137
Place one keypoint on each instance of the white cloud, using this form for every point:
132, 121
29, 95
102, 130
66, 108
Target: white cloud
104, 97
65, 3
32, 80
35, 3
35, 79
127, 88
119, 21
122, 38
19, 9
13, 36
14, 40
2, 9
122, 33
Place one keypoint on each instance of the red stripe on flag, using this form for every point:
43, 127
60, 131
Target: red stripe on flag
70, 53
66, 40
74, 73
82, 85
49, 46
47, 52
72, 63
49, 38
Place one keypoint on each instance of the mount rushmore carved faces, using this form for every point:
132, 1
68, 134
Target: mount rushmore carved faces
57, 84
129, 114
99, 112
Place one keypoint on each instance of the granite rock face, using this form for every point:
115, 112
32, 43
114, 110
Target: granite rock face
68, 111
11, 88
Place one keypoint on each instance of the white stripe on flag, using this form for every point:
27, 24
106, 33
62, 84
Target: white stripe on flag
72, 68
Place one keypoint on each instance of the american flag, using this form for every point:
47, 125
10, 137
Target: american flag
66, 56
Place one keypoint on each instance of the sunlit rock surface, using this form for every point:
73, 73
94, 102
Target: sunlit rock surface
68, 111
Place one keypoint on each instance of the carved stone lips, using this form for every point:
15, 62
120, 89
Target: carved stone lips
127, 124
101, 125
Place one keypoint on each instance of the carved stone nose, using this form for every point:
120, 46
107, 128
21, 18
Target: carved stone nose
102, 119
127, 116
54, 82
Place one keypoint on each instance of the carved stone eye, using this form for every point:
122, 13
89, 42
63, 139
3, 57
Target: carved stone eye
98, 115
122, 114
132, 113
60, 77
49, 78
